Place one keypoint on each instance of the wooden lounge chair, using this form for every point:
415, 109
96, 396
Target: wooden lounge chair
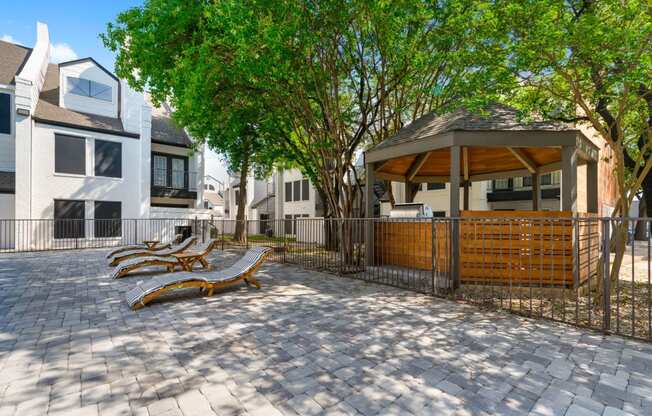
176, 248
141, 246
145, 292
196, 254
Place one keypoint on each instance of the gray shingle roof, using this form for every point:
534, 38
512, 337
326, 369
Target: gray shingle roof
49, 111
493, 117
164, 130
12, 59
7, 182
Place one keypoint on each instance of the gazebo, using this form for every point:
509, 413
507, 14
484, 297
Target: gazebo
463, 146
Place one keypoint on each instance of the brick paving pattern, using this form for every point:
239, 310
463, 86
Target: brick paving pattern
307, 343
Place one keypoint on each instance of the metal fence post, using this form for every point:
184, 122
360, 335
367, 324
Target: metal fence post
135, 231
606, 286
223, 224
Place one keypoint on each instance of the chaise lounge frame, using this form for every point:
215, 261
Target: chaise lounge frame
205, 284
169, 262
178, 248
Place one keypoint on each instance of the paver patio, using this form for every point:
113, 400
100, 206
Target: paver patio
306, 343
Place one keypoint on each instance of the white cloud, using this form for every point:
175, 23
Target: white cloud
10, 39
61, 52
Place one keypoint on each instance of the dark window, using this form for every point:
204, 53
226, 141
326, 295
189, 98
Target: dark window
439, 214
69, 219
288, 191
170, 171
237, 197
305, 193
69, 154
108, 159
434, 186
5, 113
108, 219
288, 223
88, 88
297, 190
527, 181
546, 179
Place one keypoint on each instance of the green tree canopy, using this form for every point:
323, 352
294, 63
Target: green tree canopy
324, 79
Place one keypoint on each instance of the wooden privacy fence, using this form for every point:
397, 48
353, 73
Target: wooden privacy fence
522, 248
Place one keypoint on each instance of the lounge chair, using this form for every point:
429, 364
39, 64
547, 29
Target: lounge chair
198, 253
141, 246
144, 292
176, 248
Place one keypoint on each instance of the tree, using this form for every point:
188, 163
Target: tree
162, 47
335, 76
590, 62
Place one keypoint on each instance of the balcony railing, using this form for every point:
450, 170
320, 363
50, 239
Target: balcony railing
174, 179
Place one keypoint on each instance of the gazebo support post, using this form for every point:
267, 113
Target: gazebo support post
455, 214
369, 214
569, 179
536, 192
466, 196
592, 187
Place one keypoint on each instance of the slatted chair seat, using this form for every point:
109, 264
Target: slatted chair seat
144, 292
177, 248
169, 262
132, 247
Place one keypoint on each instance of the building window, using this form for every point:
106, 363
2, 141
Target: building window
288, 191
69, 219
69, 154
5, 113
237, 197
170, 171
296, 190
160, 170
108, 219
526, 181
433, 186
88, 88
108, 159
178, 173
502, 185
288, 223
305, 193
439, 214
551, 178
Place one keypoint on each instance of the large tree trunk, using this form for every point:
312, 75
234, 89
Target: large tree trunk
241, 222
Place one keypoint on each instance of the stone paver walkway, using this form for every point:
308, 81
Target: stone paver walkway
307, 343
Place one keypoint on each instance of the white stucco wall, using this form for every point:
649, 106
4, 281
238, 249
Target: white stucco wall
297, 207
48, 185
87, 70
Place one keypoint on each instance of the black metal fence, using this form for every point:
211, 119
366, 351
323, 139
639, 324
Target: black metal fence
554, 268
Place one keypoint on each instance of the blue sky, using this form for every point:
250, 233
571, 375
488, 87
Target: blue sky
74, 25
74, 28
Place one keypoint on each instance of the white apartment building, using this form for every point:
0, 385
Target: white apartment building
214, 195
77, 143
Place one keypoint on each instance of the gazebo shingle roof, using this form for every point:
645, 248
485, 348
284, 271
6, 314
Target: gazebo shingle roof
493, 117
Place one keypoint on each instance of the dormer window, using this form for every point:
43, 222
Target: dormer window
88, 88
